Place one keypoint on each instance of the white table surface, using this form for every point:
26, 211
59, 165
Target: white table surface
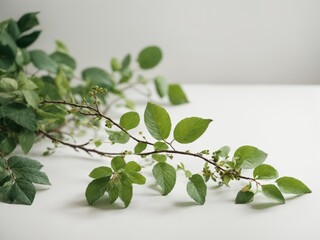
281, 120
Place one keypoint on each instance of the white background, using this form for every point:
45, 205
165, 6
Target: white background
285, 126
204, 41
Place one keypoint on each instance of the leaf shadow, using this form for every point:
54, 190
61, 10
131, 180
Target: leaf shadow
101, 204
185, 204
261, 206
154, 187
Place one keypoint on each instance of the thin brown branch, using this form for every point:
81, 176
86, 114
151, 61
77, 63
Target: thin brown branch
80, 146
197, 155
97, 113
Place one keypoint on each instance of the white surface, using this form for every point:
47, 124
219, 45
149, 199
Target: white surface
220, 41
283, 121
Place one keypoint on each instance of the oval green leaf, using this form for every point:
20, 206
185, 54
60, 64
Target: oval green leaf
125, 189
141, 146
272, 192
265, 171
118, 163
26, 140
62, 58
97, 77
130, 120
197, 189
28, 21
159, 157
157, 121
132, 166
100, 172
158, 146
43, 61
292, 185
32, 175
149, 57
23, 191
190, 129
161, 86
249, 157
7, 57
118, 137
165, 176
137, 178
96, 189
176, 94
244, 197
27, 40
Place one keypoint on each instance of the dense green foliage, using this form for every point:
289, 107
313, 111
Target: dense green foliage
46, 100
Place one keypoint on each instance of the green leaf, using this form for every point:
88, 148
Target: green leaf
4, 177
32, 175
98, 77
100, 172
7, 57
130, 120
177, 95
149, 57
2, 163
271, 191
96, 189
7, 144
113, 191
8, 85
26, 140
26, 84
132, 166
62, 84
244, 197
190, 129
126, 61
28, 21
141, 146
249, 157
118, 137
137, 178
197, 189
265, 171
25, 56
115, 64
159, 157
21, 115
157, 121
224, 151
165, 176
61, 47
16, 162
43, 61
292, 185
118, 163
125, 190
63, 58
23, 191
27, 40
158, 146
13, 29
161, 86
31, 97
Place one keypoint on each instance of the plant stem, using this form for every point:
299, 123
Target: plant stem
96, 112
79, 146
